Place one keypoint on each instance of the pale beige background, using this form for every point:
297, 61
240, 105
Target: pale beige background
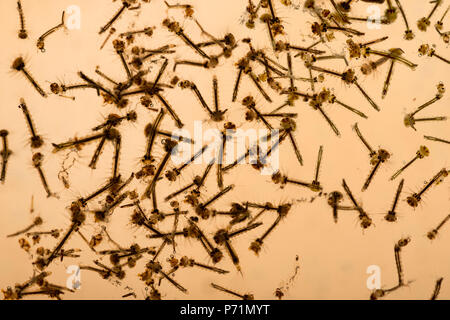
333, 257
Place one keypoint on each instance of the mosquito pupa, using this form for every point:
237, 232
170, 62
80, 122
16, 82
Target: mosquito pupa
366, 221
437, 288
414, 199
19, 65
391, 216
125, 5
436, 139
420, 154
40, 42
5, 154
433, 233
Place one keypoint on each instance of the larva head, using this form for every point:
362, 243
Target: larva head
432, 234
255, 246
288, 124
334, 198
423, 152
423, 24
4, 133
366, 222
36, 142
390, 216
18, 64
409, 35
378, 293
37, 159
216, 255
413, 200
404, 241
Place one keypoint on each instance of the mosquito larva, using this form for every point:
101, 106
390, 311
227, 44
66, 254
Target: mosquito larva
247, 296
369, 99
79, 142
366, 221
333, 200
19, 65
97, 86
391, 215
315, 184
5, 154
423, 23
420, 154
409, 35
372, 152
172, 174
37, 163
436, 139
151, 136
202, 209
414, 199
40, 42
169, 146
111, 32
249, 102
36, 222
36, 140
125, 5
221, 237
84, 200
175, 27
381, 157
426, 49
117, 145
433, 233
437, 288
23, 34
172, 113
